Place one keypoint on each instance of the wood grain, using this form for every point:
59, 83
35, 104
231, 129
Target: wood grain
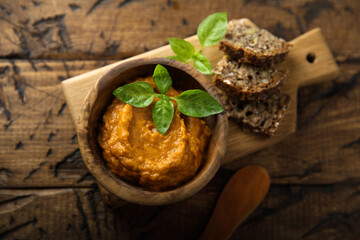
37, 131
110, 29
302, 72
315, 171
308, 212
242, 194
77, 214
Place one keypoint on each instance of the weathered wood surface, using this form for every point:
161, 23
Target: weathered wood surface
315, 172
117, 29
288, 212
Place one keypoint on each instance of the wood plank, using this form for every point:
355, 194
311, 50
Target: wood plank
240, 143
110, 29
38, 144
327, 136
56, 214
300, 212
324, 150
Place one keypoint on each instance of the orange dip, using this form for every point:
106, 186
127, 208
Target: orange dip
135, 151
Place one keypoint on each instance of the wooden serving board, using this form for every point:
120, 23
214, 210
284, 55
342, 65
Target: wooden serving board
310, 45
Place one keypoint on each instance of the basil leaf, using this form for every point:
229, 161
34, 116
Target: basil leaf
212, 29
137, 94
202, 64
197, 103
182, 48
177, 58
162, 114
162, 79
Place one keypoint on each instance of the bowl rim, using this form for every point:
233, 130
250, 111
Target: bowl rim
124, 190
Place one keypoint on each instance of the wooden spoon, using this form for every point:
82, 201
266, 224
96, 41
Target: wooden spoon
241, 195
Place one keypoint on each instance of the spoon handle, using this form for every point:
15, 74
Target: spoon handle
241, 195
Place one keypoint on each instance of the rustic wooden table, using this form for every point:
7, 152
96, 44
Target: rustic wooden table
47, 193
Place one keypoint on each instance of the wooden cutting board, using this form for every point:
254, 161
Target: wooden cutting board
309, 61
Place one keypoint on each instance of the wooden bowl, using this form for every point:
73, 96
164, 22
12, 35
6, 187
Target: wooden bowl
99, 98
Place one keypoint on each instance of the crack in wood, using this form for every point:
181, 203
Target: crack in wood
111, 47
4, 70
19, 145
74, 139
170, 3
51, 136
15, 199
71, 162
48, 117
46, 35
33, 66
93, 206
3, 105
124, 3
42, 91
46, 67
19, 82
85, 225
6, 126
7, 12
94, 6
351, 144
90, 47
49, 27
36, 3
42, 232
16, 228
74, 7
67, 69
32, 172
49, 152
85, 177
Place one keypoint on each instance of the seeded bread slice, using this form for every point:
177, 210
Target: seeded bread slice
248, 43
245, 81
262, 116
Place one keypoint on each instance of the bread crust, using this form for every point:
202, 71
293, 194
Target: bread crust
229, 74
260, 93
237, 29
244, 55
275, 106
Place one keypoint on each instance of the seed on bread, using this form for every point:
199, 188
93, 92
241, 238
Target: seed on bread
245, 81
248, 43
262, 116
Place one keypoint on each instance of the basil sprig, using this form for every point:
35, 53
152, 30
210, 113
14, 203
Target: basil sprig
210, 31
194, 103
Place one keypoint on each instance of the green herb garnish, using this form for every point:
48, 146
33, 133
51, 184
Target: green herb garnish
194, 103
210, 31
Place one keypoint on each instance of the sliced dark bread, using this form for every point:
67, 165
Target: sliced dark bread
245, 81
262, 116
248, 43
